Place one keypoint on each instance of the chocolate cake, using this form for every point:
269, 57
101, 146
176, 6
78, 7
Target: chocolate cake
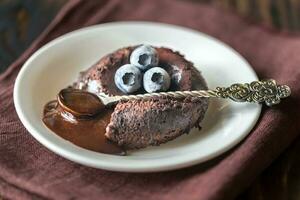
140, 123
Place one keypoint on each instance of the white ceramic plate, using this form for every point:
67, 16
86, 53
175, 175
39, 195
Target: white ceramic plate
58, 63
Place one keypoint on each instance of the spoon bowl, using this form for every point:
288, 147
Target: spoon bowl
80, 103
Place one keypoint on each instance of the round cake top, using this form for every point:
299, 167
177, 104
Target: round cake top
99, 78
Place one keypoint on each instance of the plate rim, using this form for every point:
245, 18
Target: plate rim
146, 167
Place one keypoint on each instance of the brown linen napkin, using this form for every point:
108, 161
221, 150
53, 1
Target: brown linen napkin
29, 171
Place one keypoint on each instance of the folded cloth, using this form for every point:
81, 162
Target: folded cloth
28, 170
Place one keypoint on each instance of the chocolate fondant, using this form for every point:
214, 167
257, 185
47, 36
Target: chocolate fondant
140, 123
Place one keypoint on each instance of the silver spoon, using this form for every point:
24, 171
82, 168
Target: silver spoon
265, 91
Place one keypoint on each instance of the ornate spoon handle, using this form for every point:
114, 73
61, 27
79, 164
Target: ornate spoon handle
256, 92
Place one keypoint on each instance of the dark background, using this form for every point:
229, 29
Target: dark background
21, 21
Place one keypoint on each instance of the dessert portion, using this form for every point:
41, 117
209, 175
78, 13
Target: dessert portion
140, 123
78, 116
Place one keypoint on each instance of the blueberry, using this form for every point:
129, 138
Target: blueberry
128, 78
144, 57
156, 79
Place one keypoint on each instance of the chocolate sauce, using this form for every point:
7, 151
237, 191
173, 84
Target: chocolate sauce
86, 130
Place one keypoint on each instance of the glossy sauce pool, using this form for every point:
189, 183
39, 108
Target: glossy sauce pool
86, 132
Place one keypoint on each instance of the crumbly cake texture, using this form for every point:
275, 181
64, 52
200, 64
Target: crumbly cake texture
140, 123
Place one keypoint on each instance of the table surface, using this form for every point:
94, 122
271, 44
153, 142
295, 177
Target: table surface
20, 25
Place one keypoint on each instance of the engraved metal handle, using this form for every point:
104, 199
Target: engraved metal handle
265, 91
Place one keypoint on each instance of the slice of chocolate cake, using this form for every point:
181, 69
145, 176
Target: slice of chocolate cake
140, 123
